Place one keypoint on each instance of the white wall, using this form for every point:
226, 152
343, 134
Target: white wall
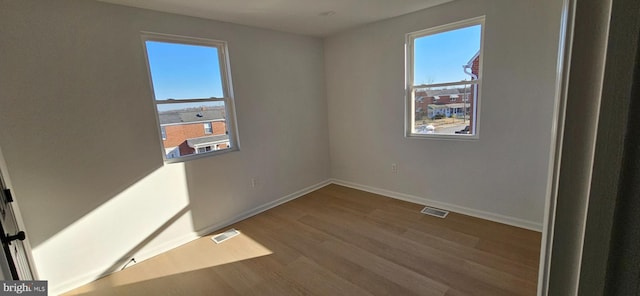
503, 175
75, 94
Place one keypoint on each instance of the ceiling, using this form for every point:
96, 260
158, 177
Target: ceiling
308, 17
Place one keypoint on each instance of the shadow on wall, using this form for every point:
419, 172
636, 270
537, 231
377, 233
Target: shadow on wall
213, 193
124, 259
73, 195
75, 116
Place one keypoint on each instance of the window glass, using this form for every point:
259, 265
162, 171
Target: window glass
207, 128
184, 71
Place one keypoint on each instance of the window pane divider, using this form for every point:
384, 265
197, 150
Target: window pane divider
445, 84
196, 100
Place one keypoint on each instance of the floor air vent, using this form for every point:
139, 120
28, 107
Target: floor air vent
218, 238
435, 212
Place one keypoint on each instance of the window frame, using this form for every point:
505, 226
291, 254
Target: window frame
227, 89
410, 86
208, 130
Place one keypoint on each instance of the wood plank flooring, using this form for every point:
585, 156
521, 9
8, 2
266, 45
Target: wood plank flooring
342, 241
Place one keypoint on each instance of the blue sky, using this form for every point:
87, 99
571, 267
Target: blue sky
439, 58
180, 71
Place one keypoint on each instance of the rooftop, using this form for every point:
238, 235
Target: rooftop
444, 106
207, 141
191, 115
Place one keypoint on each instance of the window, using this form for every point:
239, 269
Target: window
204, 149
444, 63
192, 92
207, 128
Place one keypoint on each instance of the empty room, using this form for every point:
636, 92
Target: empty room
280, 147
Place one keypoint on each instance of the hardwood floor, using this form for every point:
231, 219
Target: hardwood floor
341, 241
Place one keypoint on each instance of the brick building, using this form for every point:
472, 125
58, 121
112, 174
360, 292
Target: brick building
193, 131
443, 102
474, 65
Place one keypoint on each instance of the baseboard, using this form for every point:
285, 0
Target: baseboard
174, 243
517, 222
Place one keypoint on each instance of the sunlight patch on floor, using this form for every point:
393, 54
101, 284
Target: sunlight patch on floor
209, 254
